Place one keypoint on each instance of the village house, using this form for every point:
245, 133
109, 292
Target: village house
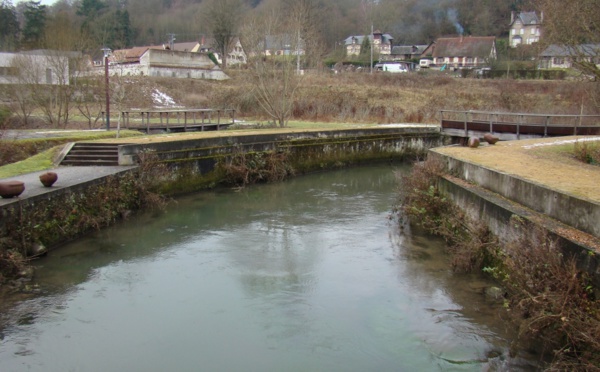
283, 45
382, 43
404, 53
461, 52
525, 28
236, 55
557, 56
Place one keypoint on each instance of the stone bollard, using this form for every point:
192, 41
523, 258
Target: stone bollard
490, 138
47, 179
473, 142
10, 189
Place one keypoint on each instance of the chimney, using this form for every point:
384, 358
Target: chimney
542, 16
512, 17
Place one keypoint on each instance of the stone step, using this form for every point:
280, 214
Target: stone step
91, 154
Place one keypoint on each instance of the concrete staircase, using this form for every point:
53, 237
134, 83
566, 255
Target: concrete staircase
92, 154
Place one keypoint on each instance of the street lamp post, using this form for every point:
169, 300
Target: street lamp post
106, 54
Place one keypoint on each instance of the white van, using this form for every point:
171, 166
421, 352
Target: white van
392, 67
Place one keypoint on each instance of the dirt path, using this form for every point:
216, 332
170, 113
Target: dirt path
543, 161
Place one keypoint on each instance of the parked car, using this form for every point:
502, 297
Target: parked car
483, 72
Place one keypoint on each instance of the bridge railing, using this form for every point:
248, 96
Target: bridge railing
520, 123
177, 119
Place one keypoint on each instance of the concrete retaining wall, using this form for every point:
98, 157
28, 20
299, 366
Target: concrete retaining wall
202, 154
579, 213
496, 212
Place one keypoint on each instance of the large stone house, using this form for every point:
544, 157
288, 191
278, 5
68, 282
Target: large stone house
382, 43
525, 28
158, 61
461, 52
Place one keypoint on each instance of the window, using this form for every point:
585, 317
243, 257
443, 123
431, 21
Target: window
440, 60
533, 30
558, 61
48, 76
521, 31
513, 31
469, 59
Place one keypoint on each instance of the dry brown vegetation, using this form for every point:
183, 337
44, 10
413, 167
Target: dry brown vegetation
389, 98
370, 98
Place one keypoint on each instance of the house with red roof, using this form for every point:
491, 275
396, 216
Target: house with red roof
461, 52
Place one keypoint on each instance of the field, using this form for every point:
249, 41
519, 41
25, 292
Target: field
358, 97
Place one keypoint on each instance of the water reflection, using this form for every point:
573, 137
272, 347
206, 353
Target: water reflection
304, 275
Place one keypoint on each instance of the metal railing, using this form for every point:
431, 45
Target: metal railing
520, 123
178, 119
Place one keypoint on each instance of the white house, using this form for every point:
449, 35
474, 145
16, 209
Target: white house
35, 67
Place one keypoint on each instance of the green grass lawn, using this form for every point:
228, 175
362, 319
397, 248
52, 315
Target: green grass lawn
52, 143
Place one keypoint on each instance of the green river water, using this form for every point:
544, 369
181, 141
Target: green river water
311, 274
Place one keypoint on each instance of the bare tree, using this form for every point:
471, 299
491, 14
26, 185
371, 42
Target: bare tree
304, 18
89, 99
223, 18
276, 76
48, 79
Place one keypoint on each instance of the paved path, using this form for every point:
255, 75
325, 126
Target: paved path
67, 176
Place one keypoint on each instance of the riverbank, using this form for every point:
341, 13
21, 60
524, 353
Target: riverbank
525, 212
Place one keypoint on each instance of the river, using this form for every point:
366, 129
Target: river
311, 274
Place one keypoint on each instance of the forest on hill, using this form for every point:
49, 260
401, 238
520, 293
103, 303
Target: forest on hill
126, 23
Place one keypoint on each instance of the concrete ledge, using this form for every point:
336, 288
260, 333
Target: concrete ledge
577, 212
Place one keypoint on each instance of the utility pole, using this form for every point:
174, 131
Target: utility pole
298, 54
171, 41
106, 52
371, 45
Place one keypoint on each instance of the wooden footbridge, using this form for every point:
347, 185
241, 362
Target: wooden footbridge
177, 120
510, 126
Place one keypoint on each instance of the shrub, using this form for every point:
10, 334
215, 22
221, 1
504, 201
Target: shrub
587, 152
248, 168
554, 301
5, 114
470, 244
